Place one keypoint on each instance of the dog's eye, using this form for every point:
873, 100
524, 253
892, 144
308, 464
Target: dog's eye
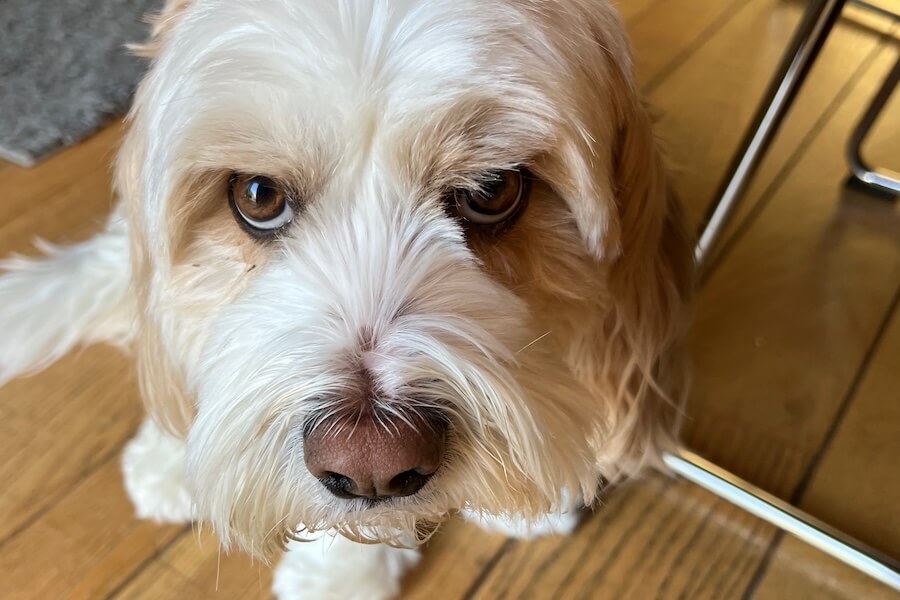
498, 198
260, 202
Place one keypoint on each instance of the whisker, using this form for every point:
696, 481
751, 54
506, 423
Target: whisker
533, 342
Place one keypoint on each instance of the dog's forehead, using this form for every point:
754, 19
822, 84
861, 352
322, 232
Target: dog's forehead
364, 46
303, 78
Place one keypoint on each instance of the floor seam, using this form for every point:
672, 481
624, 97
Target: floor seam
809, 473
148, 560
83, 476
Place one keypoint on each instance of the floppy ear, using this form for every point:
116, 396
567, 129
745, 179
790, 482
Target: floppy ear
161, 23
651, 283
161, 381
647, 257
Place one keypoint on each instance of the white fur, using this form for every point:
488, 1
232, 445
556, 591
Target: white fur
72, 295
360, 571
153, 469
516, 527
255, 384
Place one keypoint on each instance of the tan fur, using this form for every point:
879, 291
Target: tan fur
160, 23
599, 257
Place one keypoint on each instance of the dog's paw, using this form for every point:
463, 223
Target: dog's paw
550, 524
334, 568
153, 466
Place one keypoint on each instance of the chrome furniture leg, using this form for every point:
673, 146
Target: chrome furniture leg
785, 516
804, 47
817, 22
878, 179
875, 8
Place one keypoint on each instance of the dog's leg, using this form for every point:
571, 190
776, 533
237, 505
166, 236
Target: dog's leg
551, 524
73, 295
562, 523
154, 468
335, 567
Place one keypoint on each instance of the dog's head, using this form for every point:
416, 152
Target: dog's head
399, 258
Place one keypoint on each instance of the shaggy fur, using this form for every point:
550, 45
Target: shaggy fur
550, 347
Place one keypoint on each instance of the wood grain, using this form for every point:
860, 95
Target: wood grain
84, 546
657, 539
635, 9
799, 571
855, 488
784, 324
193, 567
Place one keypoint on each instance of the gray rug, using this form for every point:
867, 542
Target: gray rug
64, 70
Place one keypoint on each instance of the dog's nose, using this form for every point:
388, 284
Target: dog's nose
377, 457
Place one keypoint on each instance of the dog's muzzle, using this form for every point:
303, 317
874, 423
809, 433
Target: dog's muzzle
376, 455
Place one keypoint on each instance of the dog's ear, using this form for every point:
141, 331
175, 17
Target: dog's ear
651, 282
160, 25
648, 257
161, 383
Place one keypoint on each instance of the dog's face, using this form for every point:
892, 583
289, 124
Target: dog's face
396, 259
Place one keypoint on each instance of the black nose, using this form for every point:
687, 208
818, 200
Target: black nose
376, 458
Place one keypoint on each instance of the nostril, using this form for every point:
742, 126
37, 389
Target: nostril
339, 485
408, 483
376, 458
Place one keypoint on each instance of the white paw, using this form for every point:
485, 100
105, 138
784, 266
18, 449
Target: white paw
334, 568
551, 524
153, 465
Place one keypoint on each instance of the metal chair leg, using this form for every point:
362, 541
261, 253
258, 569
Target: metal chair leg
817, 22
878, 179
785, 516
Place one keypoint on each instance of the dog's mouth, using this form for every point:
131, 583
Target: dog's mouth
379, 522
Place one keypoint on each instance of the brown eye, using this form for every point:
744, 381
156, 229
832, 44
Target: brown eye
498, 198
260, 202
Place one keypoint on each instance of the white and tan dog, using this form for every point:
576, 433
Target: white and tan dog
379, 261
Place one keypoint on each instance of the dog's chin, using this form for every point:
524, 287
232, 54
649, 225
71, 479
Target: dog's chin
402, 522
386, 523
399, 522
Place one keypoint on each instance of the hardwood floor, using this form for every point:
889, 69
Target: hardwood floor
795, 345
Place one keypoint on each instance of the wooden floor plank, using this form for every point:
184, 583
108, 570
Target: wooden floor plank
659, 538
60, 423
56, 440
708, 102
855, 489
193, 567
632, 10
798, 571
855, 42
666, 38
32, 187
784, 324
666, 35
84, 546
452, 561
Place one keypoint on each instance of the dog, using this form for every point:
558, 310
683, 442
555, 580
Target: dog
379, 262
